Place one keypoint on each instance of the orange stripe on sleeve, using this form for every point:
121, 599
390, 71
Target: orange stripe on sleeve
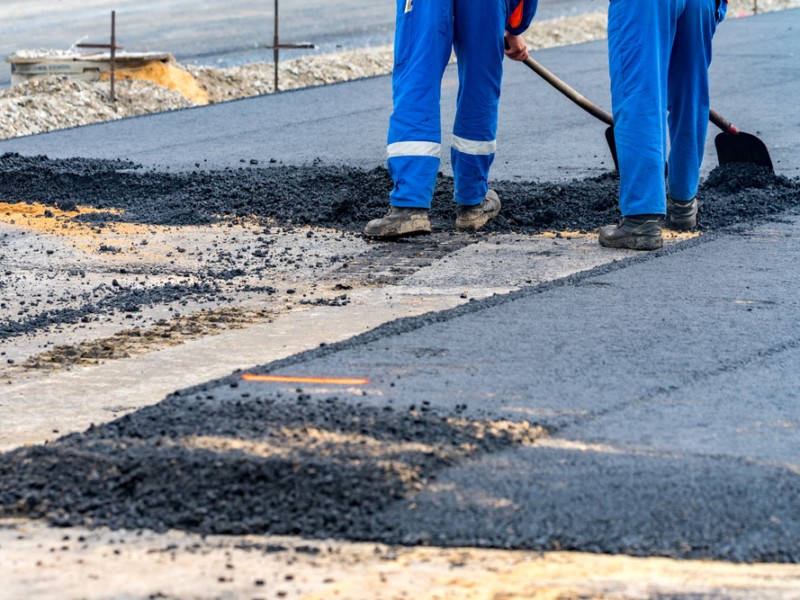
516, 16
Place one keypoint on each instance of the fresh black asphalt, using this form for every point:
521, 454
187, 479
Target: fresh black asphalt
648, 407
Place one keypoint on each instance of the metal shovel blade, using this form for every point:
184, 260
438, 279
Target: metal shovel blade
742, 147
612, 145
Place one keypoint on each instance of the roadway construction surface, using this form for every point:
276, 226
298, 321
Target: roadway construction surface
620, 403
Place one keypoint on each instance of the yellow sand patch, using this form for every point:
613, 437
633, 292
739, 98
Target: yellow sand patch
48, 219
169, 76
668, 234
474, 574
575, 235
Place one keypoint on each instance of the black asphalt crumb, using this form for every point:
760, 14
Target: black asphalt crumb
257, 465
346, 198
107, 299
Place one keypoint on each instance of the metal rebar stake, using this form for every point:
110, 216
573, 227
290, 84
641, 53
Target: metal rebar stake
113, 54
112, 48
276, 46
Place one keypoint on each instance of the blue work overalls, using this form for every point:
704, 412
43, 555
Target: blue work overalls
426, 33
659, 52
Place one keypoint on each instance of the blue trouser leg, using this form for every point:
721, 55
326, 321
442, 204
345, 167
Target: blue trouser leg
478, 42
423, 43
640, 34
659, 53
688, 95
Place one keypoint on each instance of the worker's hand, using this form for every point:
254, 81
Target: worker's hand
516, 49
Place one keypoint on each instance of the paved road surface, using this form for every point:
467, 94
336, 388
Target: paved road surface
220, 32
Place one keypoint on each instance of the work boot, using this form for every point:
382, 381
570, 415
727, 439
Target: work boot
472, 218
637, 233
682, 215
399, 222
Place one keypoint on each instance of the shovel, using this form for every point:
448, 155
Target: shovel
732, 144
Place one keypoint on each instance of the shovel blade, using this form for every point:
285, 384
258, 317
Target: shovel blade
742, 148
612, 145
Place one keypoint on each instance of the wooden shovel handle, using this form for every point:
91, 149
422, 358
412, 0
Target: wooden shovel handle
721, 122
594, 110
569, 92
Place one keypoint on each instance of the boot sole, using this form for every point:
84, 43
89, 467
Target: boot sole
401, 230
476, 223
634, 243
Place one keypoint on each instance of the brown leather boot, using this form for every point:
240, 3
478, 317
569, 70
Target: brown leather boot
635, 233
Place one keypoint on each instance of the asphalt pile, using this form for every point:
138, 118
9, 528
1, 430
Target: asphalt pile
290, 465
346, 198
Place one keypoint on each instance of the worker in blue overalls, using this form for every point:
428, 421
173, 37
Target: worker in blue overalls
426, 33
659, 52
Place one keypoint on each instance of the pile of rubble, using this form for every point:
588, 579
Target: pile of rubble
307, 71
42, 105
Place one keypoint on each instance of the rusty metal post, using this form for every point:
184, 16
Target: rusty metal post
112, 48
113, 53
276, 46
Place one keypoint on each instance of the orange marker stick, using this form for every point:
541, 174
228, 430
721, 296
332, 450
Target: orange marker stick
292, 379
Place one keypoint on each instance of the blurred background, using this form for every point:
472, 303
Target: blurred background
219, 33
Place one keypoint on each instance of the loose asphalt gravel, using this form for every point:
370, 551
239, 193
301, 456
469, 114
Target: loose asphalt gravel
346, 198
334, 197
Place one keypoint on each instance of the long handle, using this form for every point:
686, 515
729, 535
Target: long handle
594, 110
569, 92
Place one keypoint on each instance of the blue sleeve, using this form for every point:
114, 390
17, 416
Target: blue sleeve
722, 10
528, 12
